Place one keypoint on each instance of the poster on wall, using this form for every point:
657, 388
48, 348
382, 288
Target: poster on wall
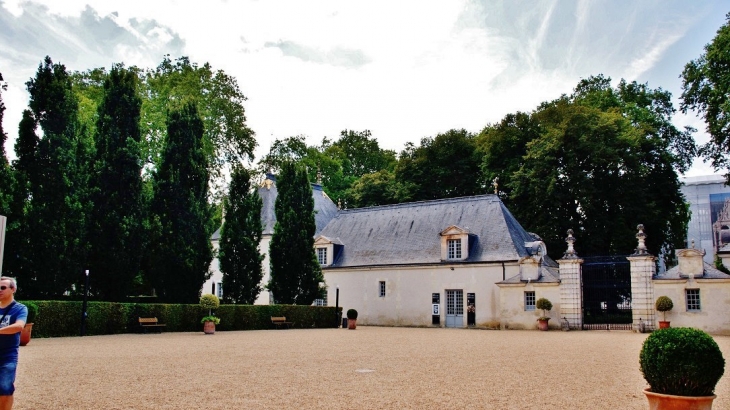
720, 218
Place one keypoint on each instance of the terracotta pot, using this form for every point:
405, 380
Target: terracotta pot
351, 323
209, 328
25, 334
659, 401
663, 324
542, 324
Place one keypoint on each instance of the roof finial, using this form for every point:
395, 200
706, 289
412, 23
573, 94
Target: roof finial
339, 204
319, 176
495, 184
693, 243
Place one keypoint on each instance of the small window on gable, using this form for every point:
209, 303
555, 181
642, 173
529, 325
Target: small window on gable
322, 256
693, 299
529, 300
382, 288
454, 248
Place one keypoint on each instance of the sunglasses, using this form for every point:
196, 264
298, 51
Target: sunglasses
4, 287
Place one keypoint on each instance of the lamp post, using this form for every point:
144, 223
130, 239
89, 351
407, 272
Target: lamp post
337, 306
83, 308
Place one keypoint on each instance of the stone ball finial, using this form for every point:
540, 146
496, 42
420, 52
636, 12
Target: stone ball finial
641, 236
570, 240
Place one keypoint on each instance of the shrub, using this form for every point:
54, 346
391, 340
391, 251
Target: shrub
32, 311
681, 362
664, 304
544, 305
209, 301
209, 318
352, 314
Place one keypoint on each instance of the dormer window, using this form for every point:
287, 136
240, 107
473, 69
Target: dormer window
454, 244
322, 256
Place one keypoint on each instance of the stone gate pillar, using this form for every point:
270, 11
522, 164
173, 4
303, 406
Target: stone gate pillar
643, 268
570, 285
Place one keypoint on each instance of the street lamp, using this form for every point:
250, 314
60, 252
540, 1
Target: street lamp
83, 308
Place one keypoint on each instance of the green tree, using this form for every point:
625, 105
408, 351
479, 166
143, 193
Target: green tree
6, 174
240, 260
378, 188
706, 90
117, 219
181, 226
606, 160
295, 271
59, 201
446, 166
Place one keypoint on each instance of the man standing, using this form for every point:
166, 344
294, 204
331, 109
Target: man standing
13, 316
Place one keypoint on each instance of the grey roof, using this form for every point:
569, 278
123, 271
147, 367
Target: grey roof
709, 272
409, 233
324, 208
548, 274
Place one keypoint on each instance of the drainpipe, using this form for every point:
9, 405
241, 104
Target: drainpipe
503, 272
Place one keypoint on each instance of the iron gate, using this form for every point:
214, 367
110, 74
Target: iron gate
606, 293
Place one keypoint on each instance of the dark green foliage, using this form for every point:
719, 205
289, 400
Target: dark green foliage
681, 362
239, 257
664, 304
61, 319
544, 305
32, 311
295, 272
209, 301
181, 251
446, 166
6, 175
720, 266
351, 314
706, 90
56, 214
605, 160
116, 227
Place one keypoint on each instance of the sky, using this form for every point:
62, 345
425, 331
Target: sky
403, 69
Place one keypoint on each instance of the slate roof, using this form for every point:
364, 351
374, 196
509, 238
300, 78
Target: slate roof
549, 273
408, 234
709, 272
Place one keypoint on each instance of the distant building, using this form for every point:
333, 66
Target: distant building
707, 196
324, 211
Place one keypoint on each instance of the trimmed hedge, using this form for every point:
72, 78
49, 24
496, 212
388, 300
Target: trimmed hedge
62, 318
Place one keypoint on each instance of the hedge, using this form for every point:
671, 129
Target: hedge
63, 318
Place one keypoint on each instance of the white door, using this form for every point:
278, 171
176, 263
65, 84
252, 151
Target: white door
454, 308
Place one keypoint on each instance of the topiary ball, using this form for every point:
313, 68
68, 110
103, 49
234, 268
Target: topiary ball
209, 301
544, 304
681, 361
663, 304
352, 314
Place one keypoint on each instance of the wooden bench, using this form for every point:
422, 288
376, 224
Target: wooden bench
280, 321
147, 323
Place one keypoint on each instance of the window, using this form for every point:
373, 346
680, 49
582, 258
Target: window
693, 299
322, 256
454, 248
382, 289
220, 290
529, 300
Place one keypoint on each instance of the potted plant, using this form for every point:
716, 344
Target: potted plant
25, 334
664, 304
210, 302
682, 367
351, 318
546, 306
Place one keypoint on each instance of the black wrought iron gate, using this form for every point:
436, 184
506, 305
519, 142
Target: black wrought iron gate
606, 293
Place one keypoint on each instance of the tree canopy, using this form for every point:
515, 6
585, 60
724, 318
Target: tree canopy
706, 90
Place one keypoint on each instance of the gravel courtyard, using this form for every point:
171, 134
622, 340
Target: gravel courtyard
368, 368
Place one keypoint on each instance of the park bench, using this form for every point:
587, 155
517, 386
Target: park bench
150, 323
280, 321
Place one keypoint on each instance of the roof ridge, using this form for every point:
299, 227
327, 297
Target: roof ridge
420, 203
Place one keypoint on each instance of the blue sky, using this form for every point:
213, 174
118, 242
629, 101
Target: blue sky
403, 69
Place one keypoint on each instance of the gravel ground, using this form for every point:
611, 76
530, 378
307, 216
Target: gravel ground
368, 368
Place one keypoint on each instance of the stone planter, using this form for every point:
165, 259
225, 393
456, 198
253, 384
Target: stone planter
209, 328
542, 324
659, 401
663, 324
352, 324
26, 333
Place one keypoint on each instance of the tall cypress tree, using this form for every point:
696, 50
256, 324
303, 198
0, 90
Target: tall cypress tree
6, 176
240, 260
295, 271
116, 225
56, 214
182, 251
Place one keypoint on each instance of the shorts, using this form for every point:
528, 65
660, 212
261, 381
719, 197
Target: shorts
7, 378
